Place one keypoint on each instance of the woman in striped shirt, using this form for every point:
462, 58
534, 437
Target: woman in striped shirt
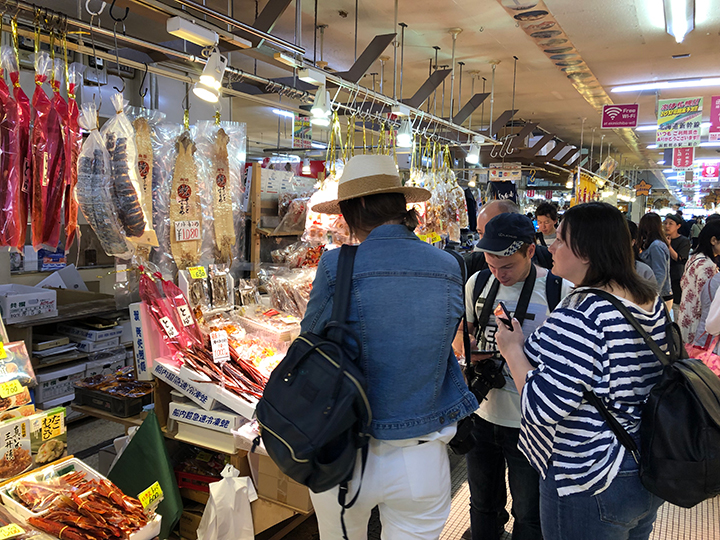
590, 486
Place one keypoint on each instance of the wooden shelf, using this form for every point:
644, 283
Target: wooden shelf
97, 413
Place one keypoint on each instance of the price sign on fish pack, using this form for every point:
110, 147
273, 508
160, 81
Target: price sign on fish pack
220, 346
187, 230
151, 497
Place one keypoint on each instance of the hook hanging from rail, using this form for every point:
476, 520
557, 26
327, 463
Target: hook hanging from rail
91, 12
143, 91
118, 19
117, 56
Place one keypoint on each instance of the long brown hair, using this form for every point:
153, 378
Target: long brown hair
598, 232
363, 214
650, 229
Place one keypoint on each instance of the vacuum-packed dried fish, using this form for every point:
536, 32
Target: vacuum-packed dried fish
185, 211
222, 203
73, 143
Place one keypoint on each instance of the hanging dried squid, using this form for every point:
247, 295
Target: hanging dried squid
143, 142
222, 203
185, 210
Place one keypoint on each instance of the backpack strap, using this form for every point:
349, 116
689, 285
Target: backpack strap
466, 333
553, 290
341, 299
479, 287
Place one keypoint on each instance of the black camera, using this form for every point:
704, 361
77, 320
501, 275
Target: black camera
484, 376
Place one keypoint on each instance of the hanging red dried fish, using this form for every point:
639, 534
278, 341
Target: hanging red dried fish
73, 143
53, 188
40, 152
8, 118
186, 318
18, 179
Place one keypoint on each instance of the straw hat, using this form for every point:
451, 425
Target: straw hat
370, 175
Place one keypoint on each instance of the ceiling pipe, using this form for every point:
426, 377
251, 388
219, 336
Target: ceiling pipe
452, 113
395, 47
455, 32
298, 24
402, 57
435, 66
492, 99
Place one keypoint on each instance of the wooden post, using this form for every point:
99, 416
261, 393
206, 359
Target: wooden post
255, 218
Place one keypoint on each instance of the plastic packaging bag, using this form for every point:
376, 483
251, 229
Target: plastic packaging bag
20, 152
94, 189
119, 137
10, 190
73, 144
41, 157
227, 515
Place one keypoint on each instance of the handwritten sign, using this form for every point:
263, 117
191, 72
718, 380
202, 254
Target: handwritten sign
10, 388
220, 347
11, 530
169, 327
185, 315
153, 494
197, 272
187, 230
52, 426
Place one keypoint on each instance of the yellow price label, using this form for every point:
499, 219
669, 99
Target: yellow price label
52, 426
3, 352
430, 238
10, 388
204, 456
197, 272
11, 530
150, 495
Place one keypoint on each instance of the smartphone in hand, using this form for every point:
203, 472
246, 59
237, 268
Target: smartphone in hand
501, 313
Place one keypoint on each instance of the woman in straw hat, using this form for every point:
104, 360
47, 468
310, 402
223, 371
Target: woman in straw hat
405, 308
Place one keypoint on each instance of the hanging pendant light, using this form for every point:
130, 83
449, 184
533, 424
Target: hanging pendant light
208, 89
473, 156
404, 134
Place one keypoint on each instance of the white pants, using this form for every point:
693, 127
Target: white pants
408, 481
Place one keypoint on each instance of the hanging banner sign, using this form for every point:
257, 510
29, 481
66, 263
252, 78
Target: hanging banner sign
505, 172
714, 119
620, 116
643, 188
683, 159
710, 171
679, 122
302, 132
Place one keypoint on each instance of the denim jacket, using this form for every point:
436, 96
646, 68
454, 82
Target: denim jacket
405, 308
657, 256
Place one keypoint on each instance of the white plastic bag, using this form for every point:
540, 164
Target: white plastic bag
227, 515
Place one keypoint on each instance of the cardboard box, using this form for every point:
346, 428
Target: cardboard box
201, 497
94, 346
190, 521
206, 438
80, 333
19, 303
57, 383
104, 366
272, 484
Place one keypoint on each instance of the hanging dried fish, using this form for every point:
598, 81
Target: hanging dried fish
222, 203
143, 142
185, 212
73, 143
10, 188
128, 206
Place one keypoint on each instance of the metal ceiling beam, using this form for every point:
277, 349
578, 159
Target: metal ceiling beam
520, 135
539, 145
470, 107
427, 88
269, 16
500, 122
559, 145
369, 56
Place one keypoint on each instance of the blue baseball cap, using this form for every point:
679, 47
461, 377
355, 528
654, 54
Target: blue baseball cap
506, 233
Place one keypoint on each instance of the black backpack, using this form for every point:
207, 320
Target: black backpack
680, 424
314, 414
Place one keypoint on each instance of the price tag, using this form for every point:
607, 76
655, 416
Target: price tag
197, 272
11, 530
220, 347
430, 238
10, 388
169, 327
52, 426
3, 352
203, 456
152, 496
187, 230
185, 315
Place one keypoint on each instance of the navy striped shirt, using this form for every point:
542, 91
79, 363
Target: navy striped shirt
586, 344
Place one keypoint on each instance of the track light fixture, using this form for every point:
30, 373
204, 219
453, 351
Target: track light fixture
473, 156
321, 106
404, 134
211, 79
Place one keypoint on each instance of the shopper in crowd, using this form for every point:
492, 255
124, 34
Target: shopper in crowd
695, 231
701, 267
407, 301
679, 247
590, 487
547, 218
685, 226
475, 261
508, 244
655, 253
643, 270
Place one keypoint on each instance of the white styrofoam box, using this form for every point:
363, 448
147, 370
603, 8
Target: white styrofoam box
234, 402
19, 303
58, 382
104, 367
222, 421
93, 346
78, 333
184, 380
126, 336
149, 531
64, 401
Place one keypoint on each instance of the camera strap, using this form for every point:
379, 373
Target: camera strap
523, 301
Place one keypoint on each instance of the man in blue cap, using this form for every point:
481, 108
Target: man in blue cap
529, 293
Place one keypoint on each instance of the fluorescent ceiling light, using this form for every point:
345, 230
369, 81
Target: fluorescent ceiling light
473, 156
320, 146
710, 144
669, 171
679, 18
661, 162
651, 146
321, 106
189, 31
668, 85
287, 114
312, 76
404, 134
